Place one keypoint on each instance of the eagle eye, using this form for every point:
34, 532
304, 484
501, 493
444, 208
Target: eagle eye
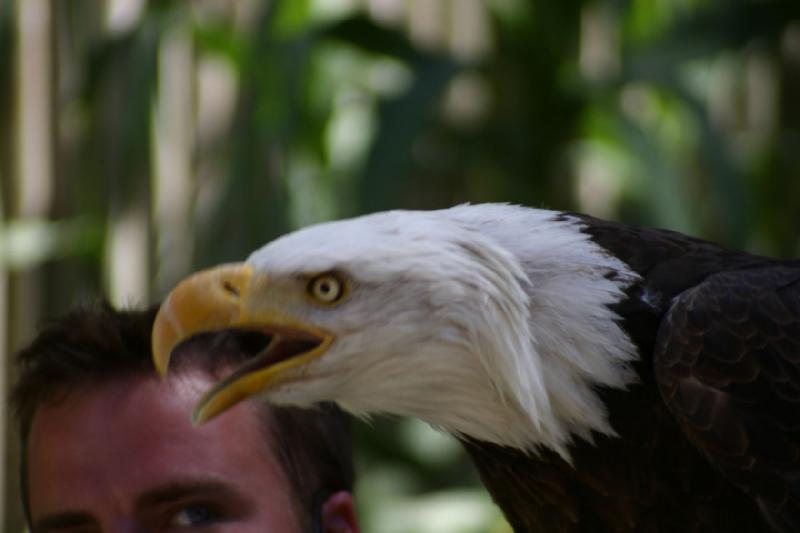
326, 288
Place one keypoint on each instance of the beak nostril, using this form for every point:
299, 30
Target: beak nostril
228, 287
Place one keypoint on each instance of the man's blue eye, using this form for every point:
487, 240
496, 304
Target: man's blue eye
193, 516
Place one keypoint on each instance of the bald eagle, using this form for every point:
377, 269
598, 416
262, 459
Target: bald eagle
602, 377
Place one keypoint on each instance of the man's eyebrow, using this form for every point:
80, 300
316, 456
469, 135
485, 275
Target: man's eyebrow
175, 490
64, 520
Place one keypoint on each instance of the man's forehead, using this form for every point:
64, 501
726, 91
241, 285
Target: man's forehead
140, 390
138, 413
141, 419
107, 445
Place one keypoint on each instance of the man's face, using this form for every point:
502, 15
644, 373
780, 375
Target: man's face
123, 457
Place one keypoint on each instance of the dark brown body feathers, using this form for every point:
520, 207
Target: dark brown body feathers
709, 440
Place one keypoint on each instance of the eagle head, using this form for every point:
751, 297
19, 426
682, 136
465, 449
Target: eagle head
402, 313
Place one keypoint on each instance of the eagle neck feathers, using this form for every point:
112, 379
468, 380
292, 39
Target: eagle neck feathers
553, 289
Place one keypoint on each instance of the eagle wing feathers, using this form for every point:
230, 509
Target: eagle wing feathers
726, 363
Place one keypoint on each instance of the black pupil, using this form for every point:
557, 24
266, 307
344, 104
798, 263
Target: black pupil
325, 288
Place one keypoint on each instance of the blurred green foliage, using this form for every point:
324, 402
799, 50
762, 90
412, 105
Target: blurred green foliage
675, 113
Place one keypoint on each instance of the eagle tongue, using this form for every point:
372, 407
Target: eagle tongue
280, 348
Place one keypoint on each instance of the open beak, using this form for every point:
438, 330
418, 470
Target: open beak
227, 297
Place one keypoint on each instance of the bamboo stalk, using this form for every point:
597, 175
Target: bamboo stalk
33, 188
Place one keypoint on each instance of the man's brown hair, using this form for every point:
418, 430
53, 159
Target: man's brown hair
96, 344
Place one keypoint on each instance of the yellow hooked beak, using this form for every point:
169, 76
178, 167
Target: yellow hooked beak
231, 297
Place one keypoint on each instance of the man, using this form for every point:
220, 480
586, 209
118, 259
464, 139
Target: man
109, 447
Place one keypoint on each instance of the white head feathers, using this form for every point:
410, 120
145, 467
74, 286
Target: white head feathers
490, 321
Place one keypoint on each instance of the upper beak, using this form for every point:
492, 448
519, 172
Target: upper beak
207, 301
229, 297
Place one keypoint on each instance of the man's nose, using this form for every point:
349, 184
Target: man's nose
126, 525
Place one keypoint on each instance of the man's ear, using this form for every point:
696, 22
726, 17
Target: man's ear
339, 514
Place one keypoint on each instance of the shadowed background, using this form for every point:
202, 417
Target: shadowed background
140, 141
